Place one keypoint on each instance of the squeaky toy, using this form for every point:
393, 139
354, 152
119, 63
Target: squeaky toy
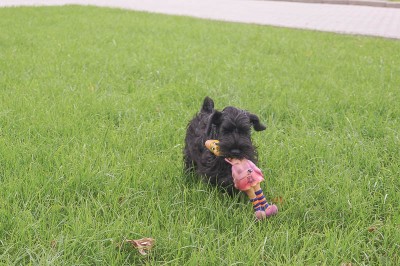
247, 178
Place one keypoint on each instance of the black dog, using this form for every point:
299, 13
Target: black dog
232, 127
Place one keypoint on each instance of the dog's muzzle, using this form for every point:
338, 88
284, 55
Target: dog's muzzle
235, 152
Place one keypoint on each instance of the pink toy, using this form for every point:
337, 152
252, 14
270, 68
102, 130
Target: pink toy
247, 177
245, 173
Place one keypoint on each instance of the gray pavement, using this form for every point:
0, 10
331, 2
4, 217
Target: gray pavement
374, 3
339, 18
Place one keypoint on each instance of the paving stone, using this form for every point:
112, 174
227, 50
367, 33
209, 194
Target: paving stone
347, 19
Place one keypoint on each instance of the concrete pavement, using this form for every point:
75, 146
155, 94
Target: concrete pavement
374, 3
347, 19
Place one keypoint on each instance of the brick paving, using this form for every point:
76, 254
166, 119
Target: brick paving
339, 18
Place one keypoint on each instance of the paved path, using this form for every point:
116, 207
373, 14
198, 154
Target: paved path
348, 19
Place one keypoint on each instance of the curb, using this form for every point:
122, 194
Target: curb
347, 2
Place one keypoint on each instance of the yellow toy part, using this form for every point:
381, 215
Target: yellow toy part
213, 146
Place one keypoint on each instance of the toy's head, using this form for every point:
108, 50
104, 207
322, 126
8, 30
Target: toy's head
213, 146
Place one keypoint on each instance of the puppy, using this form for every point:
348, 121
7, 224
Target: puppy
232, 127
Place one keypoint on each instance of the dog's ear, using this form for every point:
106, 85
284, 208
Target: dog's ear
258, 126
208, 105
215, 119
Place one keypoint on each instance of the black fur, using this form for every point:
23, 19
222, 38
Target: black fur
232, 127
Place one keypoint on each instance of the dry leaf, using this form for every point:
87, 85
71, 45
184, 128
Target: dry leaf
278, 200
143, 245
53, 244
121, 200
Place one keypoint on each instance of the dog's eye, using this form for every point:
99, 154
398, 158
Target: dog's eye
243, 130
227, 130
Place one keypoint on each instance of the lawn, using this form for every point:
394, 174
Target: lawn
94, 105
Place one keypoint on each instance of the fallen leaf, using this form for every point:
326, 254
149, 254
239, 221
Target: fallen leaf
143, 244
121, 200
277, 200
53, 244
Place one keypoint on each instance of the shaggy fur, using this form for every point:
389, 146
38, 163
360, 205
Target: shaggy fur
232, 127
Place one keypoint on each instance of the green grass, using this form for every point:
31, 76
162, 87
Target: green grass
93, 109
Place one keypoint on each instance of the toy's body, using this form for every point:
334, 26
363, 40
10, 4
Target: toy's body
247, 178
245, 174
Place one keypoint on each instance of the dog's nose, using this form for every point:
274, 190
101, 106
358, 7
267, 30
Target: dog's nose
235, 151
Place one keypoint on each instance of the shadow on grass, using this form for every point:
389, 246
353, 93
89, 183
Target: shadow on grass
192, 180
